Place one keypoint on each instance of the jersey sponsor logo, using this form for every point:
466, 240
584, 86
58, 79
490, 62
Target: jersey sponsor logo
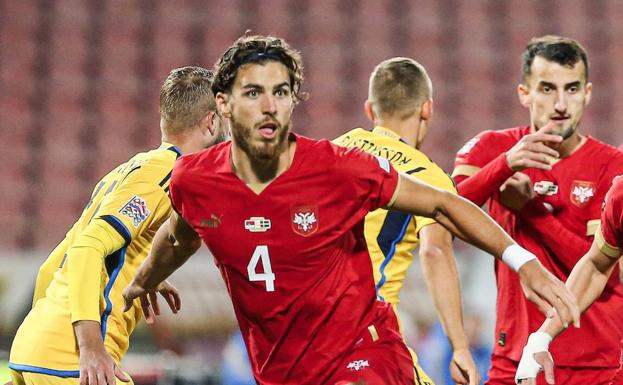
136, 209
213, 222
358, 365
582, 192
257, 224
305, 220
467, 147
383, 163
545, 187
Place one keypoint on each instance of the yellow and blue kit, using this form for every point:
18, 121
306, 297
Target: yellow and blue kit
392, 236
84, 276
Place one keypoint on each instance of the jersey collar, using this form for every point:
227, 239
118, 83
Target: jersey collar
171, 147
382, 131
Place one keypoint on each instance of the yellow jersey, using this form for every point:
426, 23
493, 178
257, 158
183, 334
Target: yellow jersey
392, 236
130, 202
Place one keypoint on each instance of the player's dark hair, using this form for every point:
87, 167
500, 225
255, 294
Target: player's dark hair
557, 49
398, 86
258, 49
186, 96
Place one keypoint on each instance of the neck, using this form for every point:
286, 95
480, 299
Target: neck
571, 144
408, 129
187, 141
260, 171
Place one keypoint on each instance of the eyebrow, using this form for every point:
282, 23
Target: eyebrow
576, 83
253, 85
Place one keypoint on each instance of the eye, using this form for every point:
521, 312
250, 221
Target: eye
282, 92
546, 89
252, 93
573, 89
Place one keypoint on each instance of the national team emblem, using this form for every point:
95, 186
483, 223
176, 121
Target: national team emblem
305, 220
582, 192
257, 224
136, 209
358, 365
545, 187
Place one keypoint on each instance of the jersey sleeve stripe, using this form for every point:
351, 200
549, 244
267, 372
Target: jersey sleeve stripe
51, 372
605, 247
465, 169
592, 226
166, 179
119, 227
111, 282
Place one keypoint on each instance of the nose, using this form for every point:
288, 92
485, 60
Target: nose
561, 102
269, 104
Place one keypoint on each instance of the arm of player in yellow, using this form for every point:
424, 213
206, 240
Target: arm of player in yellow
586, 281
442, 279
85, 263
47, 270
465, 220
173, 244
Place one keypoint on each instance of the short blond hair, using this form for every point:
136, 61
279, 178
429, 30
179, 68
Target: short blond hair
186, 97
398, 86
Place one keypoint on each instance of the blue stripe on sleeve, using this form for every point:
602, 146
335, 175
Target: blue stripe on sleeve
111, 281
119, 226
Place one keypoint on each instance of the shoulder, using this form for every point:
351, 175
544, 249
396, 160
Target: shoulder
199, 163
348, 139
616, 190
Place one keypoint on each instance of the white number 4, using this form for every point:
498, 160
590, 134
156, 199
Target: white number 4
261, 252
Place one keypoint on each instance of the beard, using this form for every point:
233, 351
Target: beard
265, 155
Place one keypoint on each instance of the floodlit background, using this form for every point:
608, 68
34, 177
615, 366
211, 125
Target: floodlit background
79, 83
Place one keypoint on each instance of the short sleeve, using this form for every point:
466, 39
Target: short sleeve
137, 203
608, 237
475, 154
373, 178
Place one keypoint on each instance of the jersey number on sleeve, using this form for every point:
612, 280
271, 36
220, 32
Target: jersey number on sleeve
261, 253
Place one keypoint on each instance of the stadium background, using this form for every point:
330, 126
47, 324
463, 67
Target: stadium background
79, 84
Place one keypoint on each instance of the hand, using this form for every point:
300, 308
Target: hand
549, 293
516, 191
535, 358
463, 369
532, 151
149, 299
98, 368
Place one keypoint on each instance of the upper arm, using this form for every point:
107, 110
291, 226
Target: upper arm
182, 231
474, 154
418, 198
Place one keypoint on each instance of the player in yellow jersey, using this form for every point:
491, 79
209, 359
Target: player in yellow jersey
76, 331
400, 105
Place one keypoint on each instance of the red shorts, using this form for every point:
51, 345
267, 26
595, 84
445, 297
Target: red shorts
502, 372
380, 357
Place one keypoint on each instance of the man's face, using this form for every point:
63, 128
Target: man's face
260, 109
556, 93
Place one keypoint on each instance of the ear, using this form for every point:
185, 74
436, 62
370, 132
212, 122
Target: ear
523, 93
589, 93
427, 110
208, 122
367, 107
223, 104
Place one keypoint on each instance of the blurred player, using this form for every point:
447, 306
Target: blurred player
588, 280
77, 327
283, 216
545, 184
400, 105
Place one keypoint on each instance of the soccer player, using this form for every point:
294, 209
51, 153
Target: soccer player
588, 280
76, 331
400, 105
544, 184
283, 216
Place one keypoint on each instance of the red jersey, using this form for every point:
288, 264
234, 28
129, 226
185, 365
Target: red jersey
558, 227
610, 237
293, 257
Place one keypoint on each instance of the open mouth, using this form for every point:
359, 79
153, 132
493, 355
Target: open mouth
268, 130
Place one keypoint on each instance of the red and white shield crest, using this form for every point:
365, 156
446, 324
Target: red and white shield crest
582, 192
305, 220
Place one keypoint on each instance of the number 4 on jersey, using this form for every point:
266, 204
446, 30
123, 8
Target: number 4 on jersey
261, 252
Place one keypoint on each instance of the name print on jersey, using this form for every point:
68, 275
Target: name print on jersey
305, 220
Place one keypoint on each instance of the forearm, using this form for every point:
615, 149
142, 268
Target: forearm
88, 335
486, 182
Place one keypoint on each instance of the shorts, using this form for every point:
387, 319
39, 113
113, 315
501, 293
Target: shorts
30, 378
502, 372
380, 357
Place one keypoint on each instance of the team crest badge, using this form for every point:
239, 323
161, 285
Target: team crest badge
136, 209
305, 220
582, 192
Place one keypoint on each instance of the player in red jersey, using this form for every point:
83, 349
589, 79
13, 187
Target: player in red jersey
544, 184
588, 280
283, 216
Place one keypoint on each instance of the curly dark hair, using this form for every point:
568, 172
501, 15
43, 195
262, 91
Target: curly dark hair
561, 50
258, 49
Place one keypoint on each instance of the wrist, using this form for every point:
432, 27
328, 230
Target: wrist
515, 256
539, 341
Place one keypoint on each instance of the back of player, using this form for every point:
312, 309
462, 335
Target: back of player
132, 199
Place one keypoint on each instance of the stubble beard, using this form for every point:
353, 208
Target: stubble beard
264, 157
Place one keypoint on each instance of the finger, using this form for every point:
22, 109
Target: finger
120, 374
570, 302
128, 304
171, 301
543, 306
147, 311
549, 295
101, 378
534, 161
153, 298
545, 360
109, 376
540, 147
548, 129
474, 377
